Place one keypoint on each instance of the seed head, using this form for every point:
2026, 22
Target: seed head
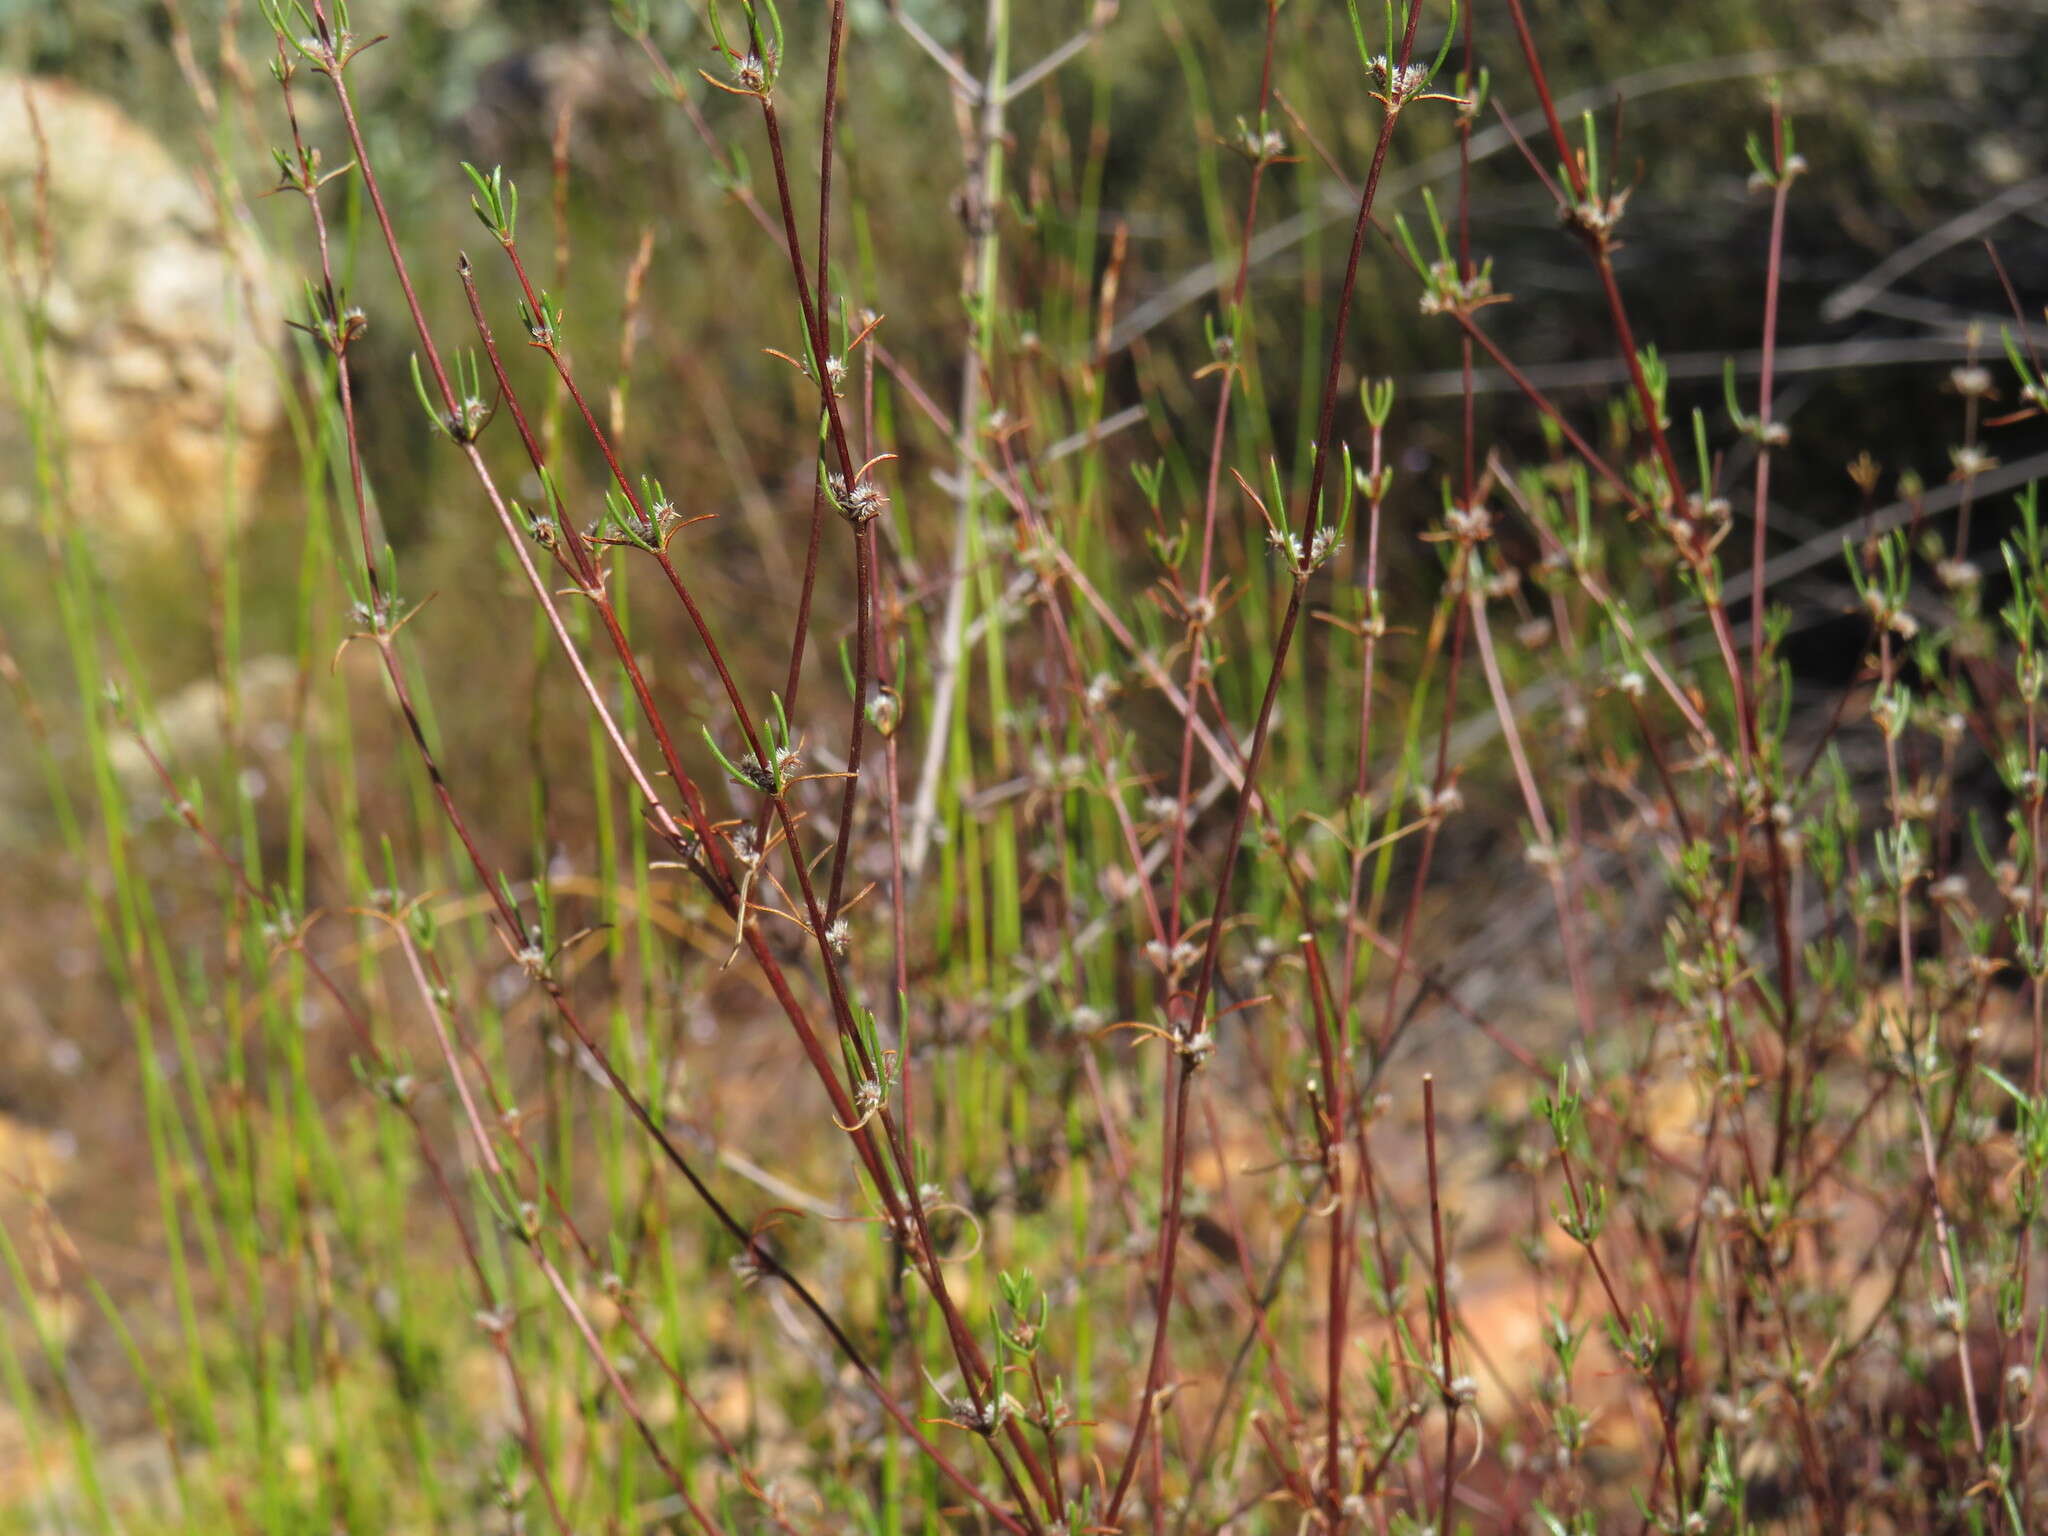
1970, 461
1971, 380
1396, 82
1322, 544
862, 502
885, 711
1469, 525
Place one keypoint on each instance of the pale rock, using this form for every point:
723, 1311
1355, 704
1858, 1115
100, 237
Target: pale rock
161, 324
190, 728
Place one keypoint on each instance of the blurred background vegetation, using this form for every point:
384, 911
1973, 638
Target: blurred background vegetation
1912, 112
1914, 115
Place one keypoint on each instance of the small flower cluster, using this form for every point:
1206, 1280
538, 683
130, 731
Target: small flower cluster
1260, 143
1446, 292
1595, 216
859, 503
1397, 83
1322, 544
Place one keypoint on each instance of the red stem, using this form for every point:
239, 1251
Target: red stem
1193, 1020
